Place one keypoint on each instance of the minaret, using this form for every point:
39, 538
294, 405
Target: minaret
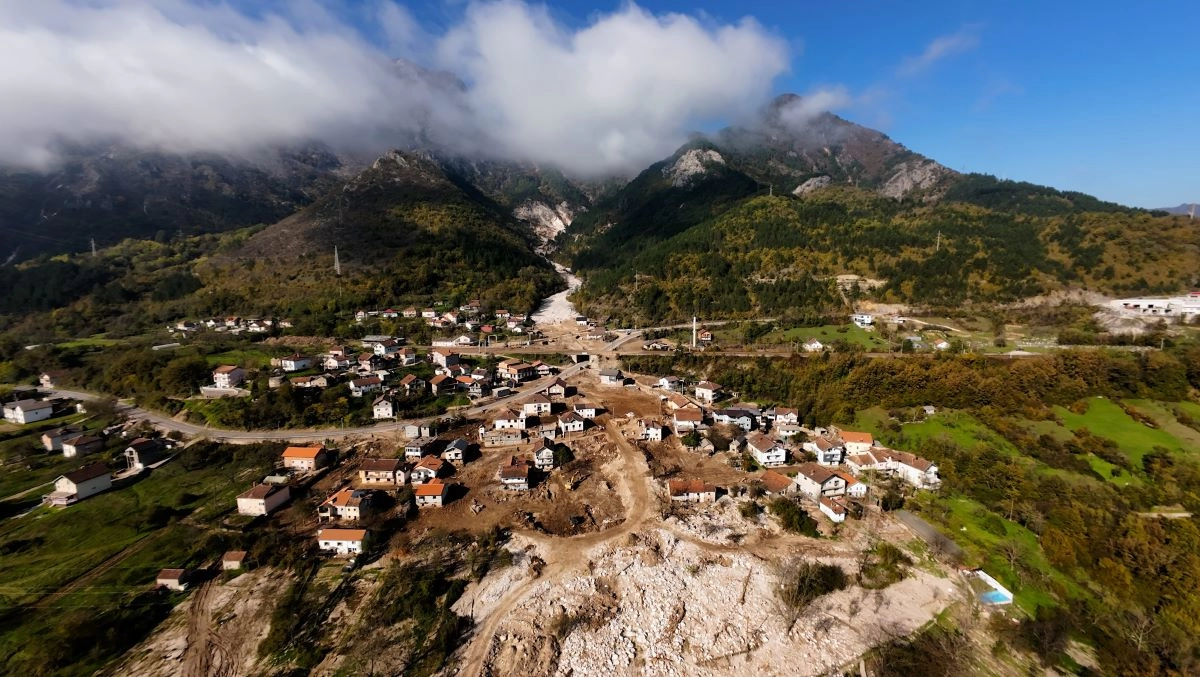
693, 331
337, 264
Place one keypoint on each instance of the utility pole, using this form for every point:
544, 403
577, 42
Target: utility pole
938, 248
93, 247
337, 263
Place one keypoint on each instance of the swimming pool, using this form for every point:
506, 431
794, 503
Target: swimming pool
995, 597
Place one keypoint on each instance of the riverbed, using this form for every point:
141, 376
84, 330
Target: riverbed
557, 308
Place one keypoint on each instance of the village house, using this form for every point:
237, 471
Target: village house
421, 446
509, 419
586, 410
782, 415
52, 440
516, 370
812, 345
941, 344
296, 362
235, 560
708, 391
815, 481
478, 388
228, 376
456, 451
544, 369
670, 383
777, 483
611, 377
50, 379
766, 451
704, 336
558, 388
428, 468
382, 472
262, 499
342, 541
833, 507
919, 472
429, 313
406, 357
346, 504
827, 452
305, 458
23, 412
854, 442
786, 431
367, 363
412, 385
687, 420
543, 455
514, 476
431, 494
362, 386
502, 438
80, 484
410, 312
383, 407
443, 357
691, 491
738, 417
175, 580
387, 348
854, 488
536, 405
650, 430
319, 382
442, 384
81, 445
415, 430
571, 422
142, 452
862, 320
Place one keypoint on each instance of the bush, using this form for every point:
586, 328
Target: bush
750, 510
801, 582
793, 518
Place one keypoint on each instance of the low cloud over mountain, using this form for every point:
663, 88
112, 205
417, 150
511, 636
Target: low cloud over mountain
608, 96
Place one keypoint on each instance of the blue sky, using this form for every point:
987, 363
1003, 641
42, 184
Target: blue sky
1101, 97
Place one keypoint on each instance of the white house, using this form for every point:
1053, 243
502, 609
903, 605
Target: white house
27, 411
536, 405
296, 362
707, 391
688, 419
862, 320
142, 452
854, 488
515, 475
382, 471
421, 446
361, 386
427, 469
855, 442
670, 383
175, 580
83, 444
558, 388
585, 410
815, 481
543, 455
650, 430
80, 484
571, 422
431, 494
691, 491
782, 415
827, 452
738, 417
262, 499
456, 451
53, 439
611, 377
228, 376
347, 504
776, 483
444, 358
813, 346
765, 450
384, 408
387, 348
917, 471
509, 419
833, 508
342, 541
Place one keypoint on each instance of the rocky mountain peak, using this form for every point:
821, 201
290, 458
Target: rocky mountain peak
691, 164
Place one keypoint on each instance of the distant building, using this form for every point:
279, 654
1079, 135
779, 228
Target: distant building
173, 579
431, 494
80, 484
691, 491
228, 376
262, 499
342, 541
305, 458
23, 412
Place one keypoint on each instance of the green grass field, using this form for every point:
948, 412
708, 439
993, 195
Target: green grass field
1106, 419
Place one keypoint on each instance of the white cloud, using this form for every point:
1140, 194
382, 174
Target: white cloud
186, 75
940, 48
799, 112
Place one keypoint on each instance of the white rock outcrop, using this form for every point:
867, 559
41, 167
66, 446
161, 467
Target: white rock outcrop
694, 163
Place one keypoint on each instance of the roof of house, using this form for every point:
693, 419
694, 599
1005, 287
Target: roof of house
87, 472
760, 441
861, 459
434, 487
346, 498
733, 413
785, 411
381, 464
853, 437
28, 405
694, 415
234, 556
172, 574
303, 452
226, 369
579, 406
367, 381
431, 462
515, 470
409, 379
82, 440
458, 443
538, 398
775, 482
439, 380
708, 385
824, 444
341, 534
817, 473
834, 505
681, 487
612, 373
508, 414
259, 491
850, 481
571, 417
911, 460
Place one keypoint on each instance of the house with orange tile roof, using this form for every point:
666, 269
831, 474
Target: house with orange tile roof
777, 483
833, 507
427, 469
854, 488
691, 491
431, 494
816, 480
342, 541
305, 458
346, 504
854, 442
